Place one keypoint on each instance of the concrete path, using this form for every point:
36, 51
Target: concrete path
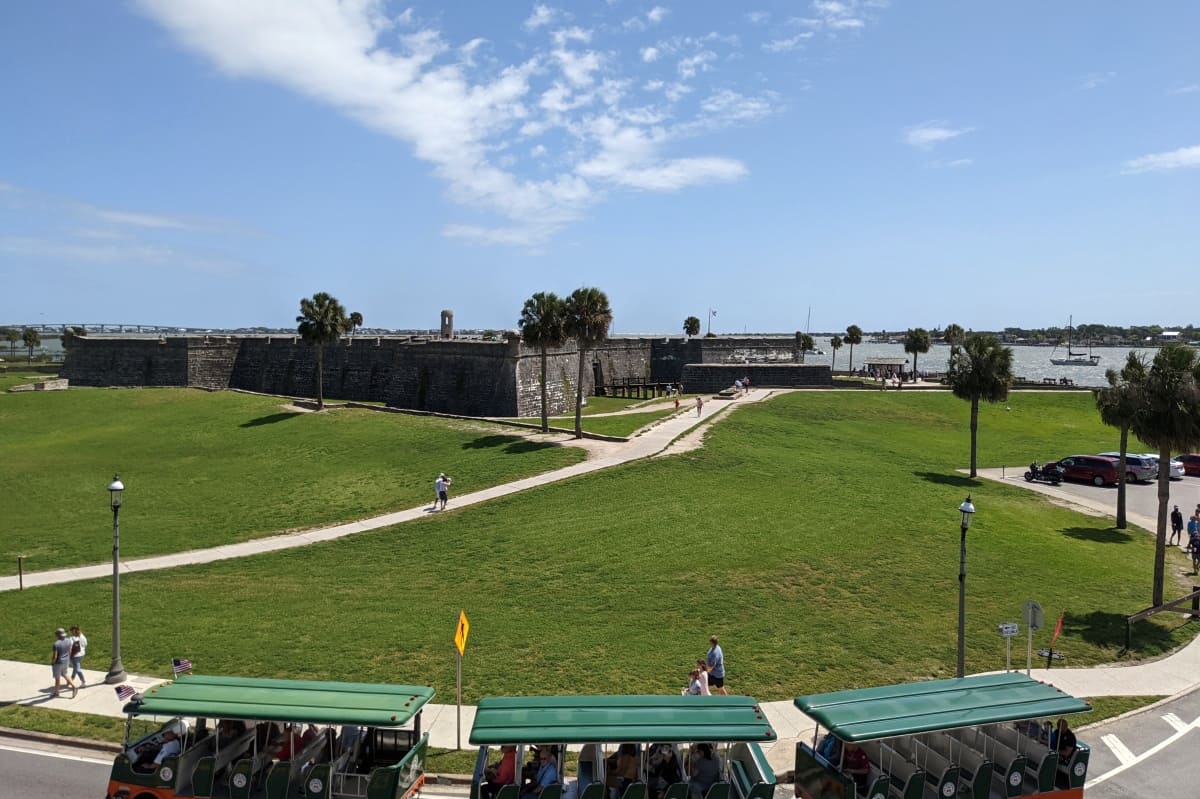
651, 442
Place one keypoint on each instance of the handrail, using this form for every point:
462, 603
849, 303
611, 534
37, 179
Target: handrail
1194, 596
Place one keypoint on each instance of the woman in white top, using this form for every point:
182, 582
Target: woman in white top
78, 650
702, 667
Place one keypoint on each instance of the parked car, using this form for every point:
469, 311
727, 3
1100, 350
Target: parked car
1176, 466
1138, 468
1093, 469
1191, 463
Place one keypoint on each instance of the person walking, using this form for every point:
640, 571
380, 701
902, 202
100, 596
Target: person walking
78, 650
441, 489
699, 406
1176, 526
60, 661
716, 666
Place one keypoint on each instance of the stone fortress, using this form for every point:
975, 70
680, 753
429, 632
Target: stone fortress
440, 374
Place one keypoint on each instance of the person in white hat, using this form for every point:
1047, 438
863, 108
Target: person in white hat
60, 661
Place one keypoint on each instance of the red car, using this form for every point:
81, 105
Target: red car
1191, 463
1095, 469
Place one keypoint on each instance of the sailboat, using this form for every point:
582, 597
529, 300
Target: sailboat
1075, 358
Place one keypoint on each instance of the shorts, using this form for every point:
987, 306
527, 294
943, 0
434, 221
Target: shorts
443, 496
716, 682
59, 669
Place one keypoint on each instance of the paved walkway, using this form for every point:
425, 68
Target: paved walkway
652, 442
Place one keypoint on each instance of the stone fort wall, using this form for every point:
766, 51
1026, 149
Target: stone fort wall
474, 378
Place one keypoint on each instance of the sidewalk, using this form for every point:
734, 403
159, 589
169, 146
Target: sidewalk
652, 442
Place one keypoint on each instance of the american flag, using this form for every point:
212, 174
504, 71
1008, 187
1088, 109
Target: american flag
124, 692
180, 665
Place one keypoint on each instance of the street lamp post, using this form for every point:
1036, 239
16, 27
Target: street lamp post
116, 672
967, 510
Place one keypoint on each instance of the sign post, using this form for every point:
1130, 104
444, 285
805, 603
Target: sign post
460, 643
1034, 619
1008, 630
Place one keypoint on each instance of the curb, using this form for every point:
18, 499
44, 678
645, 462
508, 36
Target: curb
61, 740
1143, 709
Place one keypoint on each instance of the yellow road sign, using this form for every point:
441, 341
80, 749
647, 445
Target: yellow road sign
460, 634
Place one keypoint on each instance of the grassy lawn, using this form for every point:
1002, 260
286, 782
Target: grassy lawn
16, 377
817, 534
622, 425
203, 469
1107, 707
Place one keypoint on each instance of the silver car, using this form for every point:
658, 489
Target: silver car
1176, 466
1138, 468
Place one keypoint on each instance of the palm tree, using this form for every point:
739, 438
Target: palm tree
804, 343
12, 336
835, 344
979, 369
1118, 404
853, 336
1168, 419
691, 326
322, 321
587, 319
31, 338
542, 326
356, 321
916, 342
953, 334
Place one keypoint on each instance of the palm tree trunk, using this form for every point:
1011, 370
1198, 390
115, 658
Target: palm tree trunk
320, 377
833, 363
914, 374
852, 358
545, 398
579, 395
974, 430
1121, 521
1160, 537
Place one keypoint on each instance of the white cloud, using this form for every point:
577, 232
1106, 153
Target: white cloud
837, 15
542, 15
927, 134
758, 17
1187, 89
950, 164
1162, 162
1095, 80
700, 62
468, 120
728, 106
788, 44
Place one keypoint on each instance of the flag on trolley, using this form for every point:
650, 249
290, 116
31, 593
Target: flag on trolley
181, 665
125, 692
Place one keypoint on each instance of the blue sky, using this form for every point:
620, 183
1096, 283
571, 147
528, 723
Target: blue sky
888, 164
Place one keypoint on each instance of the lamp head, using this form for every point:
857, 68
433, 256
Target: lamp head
114, 491
967, 510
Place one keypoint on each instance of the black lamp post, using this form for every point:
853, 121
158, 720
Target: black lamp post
116, 672
967, 510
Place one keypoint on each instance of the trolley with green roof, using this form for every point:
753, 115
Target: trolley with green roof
241, 737
660, 730
972, 737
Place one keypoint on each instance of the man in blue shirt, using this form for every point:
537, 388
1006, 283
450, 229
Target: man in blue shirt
547, 775
716, 666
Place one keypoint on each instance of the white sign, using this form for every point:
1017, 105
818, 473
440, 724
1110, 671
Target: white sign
1007, 629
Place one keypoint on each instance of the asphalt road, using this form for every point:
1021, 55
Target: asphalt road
1149, 754
37, 770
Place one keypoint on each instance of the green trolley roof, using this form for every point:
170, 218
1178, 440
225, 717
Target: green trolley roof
284, 700
893, 710
619, 719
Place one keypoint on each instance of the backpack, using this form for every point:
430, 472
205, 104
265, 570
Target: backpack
75, 648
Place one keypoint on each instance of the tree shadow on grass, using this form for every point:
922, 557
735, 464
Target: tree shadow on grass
1108, 630
513, 445
1101, 535
957, 480
271, 419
